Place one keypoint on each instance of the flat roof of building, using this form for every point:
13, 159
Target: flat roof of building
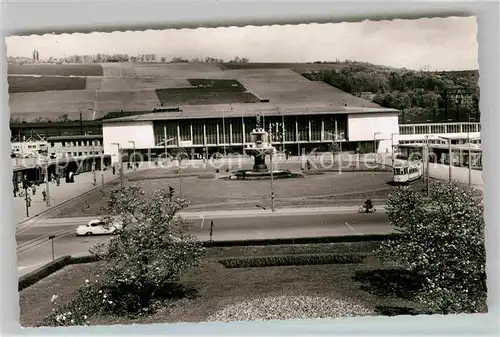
73, 137
248, 110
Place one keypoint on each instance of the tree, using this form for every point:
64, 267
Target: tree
63, 118
442, 241
163, 59
142, 263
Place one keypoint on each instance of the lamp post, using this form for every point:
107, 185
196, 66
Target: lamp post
133, 158
392, 147
121, 162
224, 132
375, 144
47, 180
273, 194
450, 159
93, 164
470, 152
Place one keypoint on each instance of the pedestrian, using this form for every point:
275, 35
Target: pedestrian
44, 195
33, 189
114, 169
15, 191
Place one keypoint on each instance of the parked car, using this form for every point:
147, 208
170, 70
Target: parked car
98, 227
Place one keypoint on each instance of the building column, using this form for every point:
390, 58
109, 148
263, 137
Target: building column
296, 130
309, 131
205, 141
178, 135
191, 130
218, 139
322, 129
243, 131
230, 132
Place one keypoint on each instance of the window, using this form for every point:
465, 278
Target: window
79, 153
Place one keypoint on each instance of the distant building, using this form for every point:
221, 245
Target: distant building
75, 146
29, 148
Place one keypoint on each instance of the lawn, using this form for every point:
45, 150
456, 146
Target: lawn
35, 84
55, 69
225, 294
208, 194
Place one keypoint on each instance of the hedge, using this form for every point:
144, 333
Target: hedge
291, 260
310, 240
36, 275
42, 272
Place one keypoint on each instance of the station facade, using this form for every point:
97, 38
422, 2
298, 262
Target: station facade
202, 131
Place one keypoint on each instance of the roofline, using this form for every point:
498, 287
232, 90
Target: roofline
251, 113
74, 137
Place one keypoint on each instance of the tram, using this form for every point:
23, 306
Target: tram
407, 172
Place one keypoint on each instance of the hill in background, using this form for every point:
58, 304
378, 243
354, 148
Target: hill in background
47, 91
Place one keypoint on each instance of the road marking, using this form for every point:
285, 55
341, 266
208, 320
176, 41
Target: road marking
349, 226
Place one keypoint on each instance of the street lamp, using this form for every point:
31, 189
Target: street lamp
392, 147
133, 158
121, 162
375, 141
470, 152
449, 155
47, 179
224, 133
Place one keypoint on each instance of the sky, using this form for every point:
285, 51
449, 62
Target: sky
433, 44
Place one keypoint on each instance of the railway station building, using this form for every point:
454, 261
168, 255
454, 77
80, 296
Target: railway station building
202, 130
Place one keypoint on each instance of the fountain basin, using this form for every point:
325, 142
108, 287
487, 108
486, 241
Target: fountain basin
262, 175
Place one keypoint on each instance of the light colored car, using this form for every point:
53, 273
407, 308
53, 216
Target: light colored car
98, 227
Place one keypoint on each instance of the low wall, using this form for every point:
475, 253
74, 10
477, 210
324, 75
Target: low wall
461, 174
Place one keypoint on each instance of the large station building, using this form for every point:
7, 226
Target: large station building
203, 130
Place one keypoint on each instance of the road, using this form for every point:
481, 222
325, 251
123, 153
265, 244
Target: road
232, 225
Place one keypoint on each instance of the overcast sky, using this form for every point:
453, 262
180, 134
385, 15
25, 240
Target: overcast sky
440, 44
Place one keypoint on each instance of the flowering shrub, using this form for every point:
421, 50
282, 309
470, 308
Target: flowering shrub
143, 261
443, 241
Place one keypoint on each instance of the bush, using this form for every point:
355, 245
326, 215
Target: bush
442, 240
291, 260
143, 261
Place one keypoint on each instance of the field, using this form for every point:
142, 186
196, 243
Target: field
55, 69
206, 92
145, 86
297, 67
125, 84
35, 84
205, 193
217, 293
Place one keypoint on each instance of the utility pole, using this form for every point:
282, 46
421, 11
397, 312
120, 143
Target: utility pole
450, 154
224, 132
133, 157
47, 185
273, 194
93, 165
392, 149
180, 175
427, 153
470, 152
120, 155
26, 198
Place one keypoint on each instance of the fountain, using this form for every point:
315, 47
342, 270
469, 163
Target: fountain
260, 148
